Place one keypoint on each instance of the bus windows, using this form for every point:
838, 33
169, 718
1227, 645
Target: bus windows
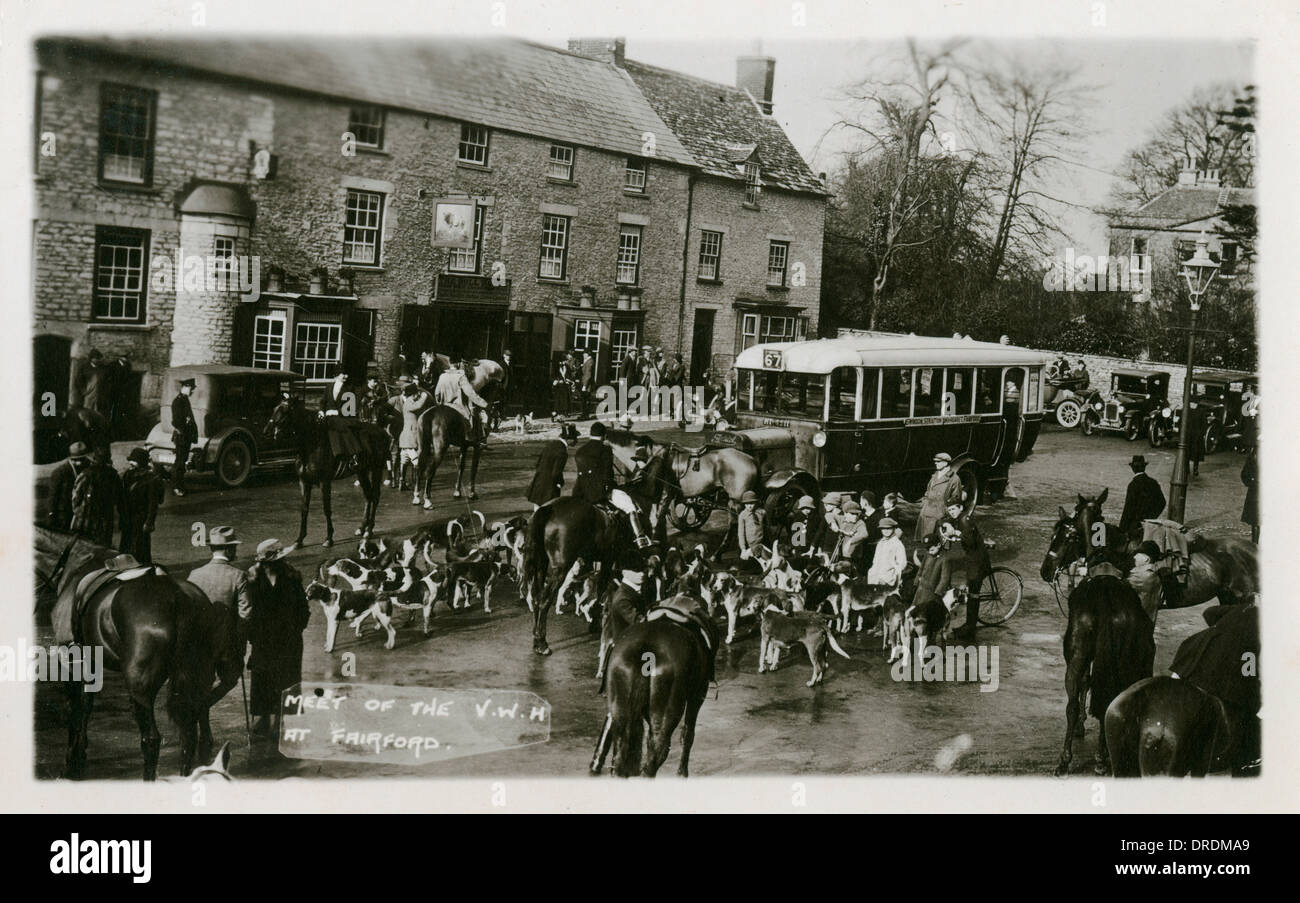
870, 381
797, 394
959, 392
988, 390
928, 399
896, 392
844, 393
744, 390
1032, 395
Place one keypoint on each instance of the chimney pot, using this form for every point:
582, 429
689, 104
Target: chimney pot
607, 50
755, 74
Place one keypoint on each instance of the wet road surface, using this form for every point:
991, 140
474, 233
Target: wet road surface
859, 721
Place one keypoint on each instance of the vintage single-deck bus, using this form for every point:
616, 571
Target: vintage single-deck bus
872, 412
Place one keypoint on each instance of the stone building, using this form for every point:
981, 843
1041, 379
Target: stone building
1157, 237
273, 204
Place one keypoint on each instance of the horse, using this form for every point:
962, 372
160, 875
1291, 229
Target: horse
318, 465
723, 470
1225, 567
669, 692
1109, 645
439, 428
154, 629
1203, 720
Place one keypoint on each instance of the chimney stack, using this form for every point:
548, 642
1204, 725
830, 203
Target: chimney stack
755, 75
1187, 175
607, 50
1207, 179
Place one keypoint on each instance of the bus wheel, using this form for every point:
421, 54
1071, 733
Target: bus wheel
970, 488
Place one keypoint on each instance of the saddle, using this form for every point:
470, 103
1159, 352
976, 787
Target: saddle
118, 569
693, 620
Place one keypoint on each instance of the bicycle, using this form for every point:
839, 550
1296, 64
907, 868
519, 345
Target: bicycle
999, 593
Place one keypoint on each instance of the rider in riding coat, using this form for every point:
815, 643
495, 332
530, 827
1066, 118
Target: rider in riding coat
595, 462
454, 391
338, 409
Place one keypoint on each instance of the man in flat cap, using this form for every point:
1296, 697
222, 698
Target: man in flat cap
144, 492
944, 489
62, 479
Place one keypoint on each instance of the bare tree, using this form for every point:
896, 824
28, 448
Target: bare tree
898, 116
1028, 117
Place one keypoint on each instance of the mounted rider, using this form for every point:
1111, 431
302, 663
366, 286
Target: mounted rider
455, 391
596, 464
338, 408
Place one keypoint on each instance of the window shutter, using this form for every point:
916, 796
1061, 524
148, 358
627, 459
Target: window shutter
241, 335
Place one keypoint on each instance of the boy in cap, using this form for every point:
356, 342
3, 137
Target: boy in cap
806, 529
749, 528
891, 558
853, 533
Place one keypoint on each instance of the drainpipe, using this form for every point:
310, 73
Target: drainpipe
686, 256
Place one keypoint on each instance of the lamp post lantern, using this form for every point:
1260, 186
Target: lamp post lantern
1199, 271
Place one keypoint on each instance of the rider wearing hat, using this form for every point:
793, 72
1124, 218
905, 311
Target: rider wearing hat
62, 479
1143, 501
595, 484
455, 391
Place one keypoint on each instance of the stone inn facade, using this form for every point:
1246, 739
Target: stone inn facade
605, 204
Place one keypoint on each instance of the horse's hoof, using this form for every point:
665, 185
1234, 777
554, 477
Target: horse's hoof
456, 494
542, 649
357, 532
473, 494
428, 505
1062, 769
1100, 769
327, 543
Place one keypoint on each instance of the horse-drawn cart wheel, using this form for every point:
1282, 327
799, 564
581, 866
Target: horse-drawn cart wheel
1000, 593
1068, 413
690, 513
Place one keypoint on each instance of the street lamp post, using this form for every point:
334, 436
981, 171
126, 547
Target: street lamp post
1199, 271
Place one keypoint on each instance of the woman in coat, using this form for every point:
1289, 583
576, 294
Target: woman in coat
279, 617
943, 490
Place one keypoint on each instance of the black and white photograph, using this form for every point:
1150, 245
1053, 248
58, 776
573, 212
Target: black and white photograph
788, 395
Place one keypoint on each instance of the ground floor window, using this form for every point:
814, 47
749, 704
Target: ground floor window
623, 338
268, 341
586, 337
316, 348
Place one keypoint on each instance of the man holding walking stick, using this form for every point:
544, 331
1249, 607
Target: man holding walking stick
225, 584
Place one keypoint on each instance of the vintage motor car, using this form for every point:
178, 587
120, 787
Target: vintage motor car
1218, 396
1133, 395
231, 406
1066, 393
871, 412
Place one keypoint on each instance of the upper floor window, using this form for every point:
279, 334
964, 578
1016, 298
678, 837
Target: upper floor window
473, 144
1139, 259
126, 134
268, 340
629, 255
752, 184
119, 275
634, 176
555, 247
561, 165
366, 123
1227, 258
778, 255
466, 260
362, 229
710, 255
224, 269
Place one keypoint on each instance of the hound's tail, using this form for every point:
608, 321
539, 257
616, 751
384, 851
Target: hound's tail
834, 645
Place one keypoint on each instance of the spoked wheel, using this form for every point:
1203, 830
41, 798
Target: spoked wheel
1156, 435
690, 513
1132, 429
1212, 436
1000, 593
1068, 414
1089, 425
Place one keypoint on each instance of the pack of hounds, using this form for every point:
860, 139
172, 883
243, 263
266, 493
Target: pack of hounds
801, 599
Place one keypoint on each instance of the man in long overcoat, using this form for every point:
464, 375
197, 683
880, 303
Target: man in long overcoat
280, 615
1143, 501
548, 479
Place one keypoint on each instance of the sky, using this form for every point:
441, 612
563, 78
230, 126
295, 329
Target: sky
1136, 81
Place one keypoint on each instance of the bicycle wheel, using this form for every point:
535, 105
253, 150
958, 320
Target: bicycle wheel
1000, 593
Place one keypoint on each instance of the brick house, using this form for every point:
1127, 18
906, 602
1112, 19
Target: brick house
1159, 235
311, 169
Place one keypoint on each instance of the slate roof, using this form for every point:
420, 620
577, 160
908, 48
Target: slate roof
716, 121
502, 83
1181, 206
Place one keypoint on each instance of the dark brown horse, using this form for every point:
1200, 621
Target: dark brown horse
658, 677
1109, 645
153, 629
318, 465
441, 427
1226, 567
86, 425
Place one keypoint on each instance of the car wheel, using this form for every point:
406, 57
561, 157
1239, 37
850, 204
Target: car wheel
1156, 436
1068, 414
1089, 424
234, 463
1132, 429
1211, 438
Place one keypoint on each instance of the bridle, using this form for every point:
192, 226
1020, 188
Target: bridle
1070, 567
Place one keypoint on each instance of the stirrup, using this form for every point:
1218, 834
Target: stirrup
642, 541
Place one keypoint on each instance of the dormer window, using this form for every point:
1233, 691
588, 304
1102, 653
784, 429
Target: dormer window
753, 186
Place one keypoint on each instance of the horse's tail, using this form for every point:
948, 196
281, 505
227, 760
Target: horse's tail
536, 565
191, 663
1124, 647
629, 703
